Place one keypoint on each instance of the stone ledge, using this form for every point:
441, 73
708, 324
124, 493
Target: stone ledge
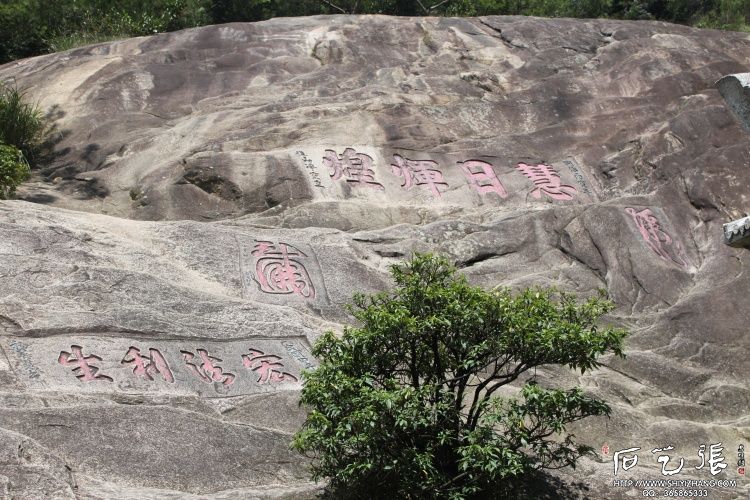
737, 232
735, 89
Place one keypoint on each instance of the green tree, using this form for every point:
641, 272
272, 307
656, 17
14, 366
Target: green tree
20, 33
406, 405
13, 170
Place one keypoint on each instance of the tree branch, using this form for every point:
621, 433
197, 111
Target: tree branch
414, 366
428, 10
488, 380
451, 481
434, 7
476, 412
439, 373
462, 383
477, 392
334, 6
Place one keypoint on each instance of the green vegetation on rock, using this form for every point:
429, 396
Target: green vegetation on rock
23, 132
22, 125
33, 27
13, 170
416, 402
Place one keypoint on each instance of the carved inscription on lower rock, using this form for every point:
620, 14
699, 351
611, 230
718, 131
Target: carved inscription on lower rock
298, 354
27, 365
94, 364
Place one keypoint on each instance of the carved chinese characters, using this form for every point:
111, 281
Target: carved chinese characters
355, 167
173, 366
203, 367
25, 360
311, 170
655, 238
575, 169
547, 181
297, 354
279, 269
363, 171
419, 173
267, 366
148, 366
481, 176
83, 366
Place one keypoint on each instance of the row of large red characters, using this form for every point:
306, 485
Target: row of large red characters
267, 367
357, 169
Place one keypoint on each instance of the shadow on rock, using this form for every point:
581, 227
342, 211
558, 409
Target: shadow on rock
539, 485
544, 486
48, 152
40, 198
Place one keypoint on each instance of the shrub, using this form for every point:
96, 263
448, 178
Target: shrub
21, 124
139, 17
405, 405
726, 14
33, 27
13, 170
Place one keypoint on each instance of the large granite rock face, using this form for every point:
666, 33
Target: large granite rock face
218, 194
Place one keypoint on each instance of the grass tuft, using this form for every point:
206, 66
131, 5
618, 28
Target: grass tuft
21, 124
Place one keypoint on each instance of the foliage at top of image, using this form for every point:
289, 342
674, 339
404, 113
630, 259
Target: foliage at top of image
416, 402
22, 124
33, 27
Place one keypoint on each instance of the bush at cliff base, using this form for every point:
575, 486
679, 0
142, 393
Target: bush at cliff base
406, 405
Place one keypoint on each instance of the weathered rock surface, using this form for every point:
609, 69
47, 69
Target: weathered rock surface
218, 194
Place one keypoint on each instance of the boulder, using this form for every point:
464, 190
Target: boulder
215, 196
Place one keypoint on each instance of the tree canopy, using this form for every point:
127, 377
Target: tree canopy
407, 404
32, 27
